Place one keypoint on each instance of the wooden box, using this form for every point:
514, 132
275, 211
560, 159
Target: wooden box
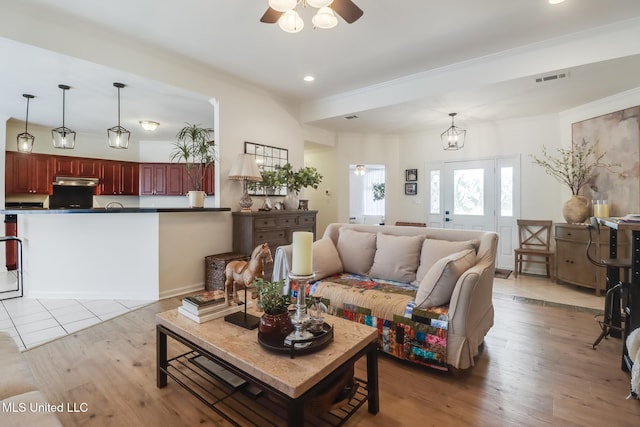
214, 276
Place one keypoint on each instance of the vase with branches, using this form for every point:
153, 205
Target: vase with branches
574, 167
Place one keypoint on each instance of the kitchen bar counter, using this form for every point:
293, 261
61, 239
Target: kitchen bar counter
18, 211
125, 253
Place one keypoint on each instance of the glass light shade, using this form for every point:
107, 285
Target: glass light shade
63, 138
291, 22
319, 3
325, 18
149, 125
118, 137
360, 170
25, 142
282, 5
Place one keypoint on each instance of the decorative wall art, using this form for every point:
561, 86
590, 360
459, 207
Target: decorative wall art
410, 188
616, 134
267, 158
411, 174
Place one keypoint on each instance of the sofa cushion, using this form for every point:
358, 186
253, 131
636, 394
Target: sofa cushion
436, 249
437, 285
356, 250
16, 376
326, 260
396, 257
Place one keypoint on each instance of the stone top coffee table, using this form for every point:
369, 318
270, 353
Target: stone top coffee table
294, 380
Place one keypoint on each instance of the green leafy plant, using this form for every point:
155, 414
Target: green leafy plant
272, 298
297, 180
572, 167
378, 191
196, 148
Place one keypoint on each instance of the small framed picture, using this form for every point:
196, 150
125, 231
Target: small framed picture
411, 174
410, 188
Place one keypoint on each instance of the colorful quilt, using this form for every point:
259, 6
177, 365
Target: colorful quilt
404, 331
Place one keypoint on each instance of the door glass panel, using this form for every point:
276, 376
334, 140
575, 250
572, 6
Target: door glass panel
468, 192
434, 203
506, 191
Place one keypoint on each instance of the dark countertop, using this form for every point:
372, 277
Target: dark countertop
109, 211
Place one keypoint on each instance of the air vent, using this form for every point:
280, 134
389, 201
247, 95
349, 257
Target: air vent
552, 77
351, 117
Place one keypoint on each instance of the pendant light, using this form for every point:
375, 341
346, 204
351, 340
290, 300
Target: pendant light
118, 136
63, 137
453, 138
25, 139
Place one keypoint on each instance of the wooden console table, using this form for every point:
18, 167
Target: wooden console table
632, 291
273, 227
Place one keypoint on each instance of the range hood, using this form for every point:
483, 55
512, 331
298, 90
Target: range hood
75, 181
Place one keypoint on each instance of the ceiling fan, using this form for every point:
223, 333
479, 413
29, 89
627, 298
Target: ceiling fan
345, 8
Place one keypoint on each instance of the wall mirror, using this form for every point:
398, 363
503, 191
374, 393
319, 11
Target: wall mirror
267, 157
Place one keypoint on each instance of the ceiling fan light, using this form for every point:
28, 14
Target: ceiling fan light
325, 18
282, 5
319, 3
291, 22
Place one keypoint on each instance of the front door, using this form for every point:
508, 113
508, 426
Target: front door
475, 195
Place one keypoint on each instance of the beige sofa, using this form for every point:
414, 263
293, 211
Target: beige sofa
21, 404
436, 292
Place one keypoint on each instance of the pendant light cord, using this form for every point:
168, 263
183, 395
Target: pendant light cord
26, 122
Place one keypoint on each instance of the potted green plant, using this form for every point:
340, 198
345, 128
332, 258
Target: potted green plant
378, 191
275, 323
573, 167
195, 147
296, 180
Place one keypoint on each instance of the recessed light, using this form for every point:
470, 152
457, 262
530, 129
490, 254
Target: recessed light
555, 1
309, 78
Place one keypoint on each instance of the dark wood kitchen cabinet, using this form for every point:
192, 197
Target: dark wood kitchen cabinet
118, 178
162, 179
27, 173
75, 166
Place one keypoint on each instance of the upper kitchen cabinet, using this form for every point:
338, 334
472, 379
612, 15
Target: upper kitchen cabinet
118, 178
162, 179
75, 166
27, 173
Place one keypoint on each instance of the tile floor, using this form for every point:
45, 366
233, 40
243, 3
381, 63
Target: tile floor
32, 322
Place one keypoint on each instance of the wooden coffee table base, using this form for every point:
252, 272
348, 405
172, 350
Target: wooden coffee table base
239, 408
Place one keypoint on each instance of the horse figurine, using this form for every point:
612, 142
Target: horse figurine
241, 274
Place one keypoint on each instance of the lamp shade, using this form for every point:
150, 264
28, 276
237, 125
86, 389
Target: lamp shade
325, 18
245, 167
282, 5
291, 22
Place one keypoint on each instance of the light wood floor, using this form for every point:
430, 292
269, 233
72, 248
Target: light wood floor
537, 368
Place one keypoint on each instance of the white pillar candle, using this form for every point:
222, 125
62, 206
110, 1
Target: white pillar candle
302, 254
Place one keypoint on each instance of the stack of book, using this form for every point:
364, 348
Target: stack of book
206, 306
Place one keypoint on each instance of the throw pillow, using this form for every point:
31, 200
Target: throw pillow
356, 249
435, 249
326, 260
437, 286
396, 257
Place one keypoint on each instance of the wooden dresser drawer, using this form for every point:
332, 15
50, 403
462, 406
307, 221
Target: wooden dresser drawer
570, 232
274, 236
287, 221
265, 222
307, 220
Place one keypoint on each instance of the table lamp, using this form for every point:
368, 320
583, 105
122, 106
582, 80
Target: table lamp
245, 169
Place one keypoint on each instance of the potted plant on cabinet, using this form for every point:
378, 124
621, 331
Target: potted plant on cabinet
197, 149
275, 323
295, 181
